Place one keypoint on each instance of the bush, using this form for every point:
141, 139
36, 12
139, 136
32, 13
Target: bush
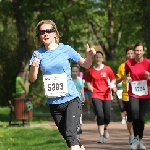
36, 92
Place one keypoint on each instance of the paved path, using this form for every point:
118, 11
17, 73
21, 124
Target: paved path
118, 139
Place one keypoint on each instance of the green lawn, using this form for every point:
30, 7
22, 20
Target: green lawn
4, 115
26, 138
31, 139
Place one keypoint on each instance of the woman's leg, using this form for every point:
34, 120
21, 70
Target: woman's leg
73, 112
129, 121
58, 115
134, 103
107, 113
142, 112
129, 116
122, 109
66, 117
98, 106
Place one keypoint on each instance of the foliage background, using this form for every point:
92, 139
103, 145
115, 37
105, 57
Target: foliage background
107, 25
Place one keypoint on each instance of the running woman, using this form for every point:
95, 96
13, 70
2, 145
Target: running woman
53, 59
101, 80
139, 84
88, 96
124, 100
79, 85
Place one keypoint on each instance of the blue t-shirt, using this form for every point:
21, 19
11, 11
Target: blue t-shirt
57, 62
120, 86
79, 85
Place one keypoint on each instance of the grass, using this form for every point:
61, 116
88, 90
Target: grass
26, 138
31, 139
4, 115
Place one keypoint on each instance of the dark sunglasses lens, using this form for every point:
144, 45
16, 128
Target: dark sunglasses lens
41, 32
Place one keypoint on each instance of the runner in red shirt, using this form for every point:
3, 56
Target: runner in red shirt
100, 80
138, 72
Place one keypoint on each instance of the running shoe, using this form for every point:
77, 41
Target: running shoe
101, 139
131, 139
135, 144
106, 134
141, 145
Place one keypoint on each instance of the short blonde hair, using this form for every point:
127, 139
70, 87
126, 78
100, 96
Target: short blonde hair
37, 39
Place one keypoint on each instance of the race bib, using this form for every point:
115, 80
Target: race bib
55, 85
139, 87
119, 94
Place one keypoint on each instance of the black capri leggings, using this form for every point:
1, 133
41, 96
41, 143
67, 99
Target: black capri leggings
127, 108
138, 108
121, 105
66, 117
103, 110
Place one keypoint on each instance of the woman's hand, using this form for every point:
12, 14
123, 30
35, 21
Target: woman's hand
147, 74
90, 51
129, 79
36, 61
91, 88
112, 84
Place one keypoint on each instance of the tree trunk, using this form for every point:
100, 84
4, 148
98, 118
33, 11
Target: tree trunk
146, 26
21, 28
23, 47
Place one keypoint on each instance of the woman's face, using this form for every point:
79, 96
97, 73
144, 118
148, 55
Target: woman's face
74, 72
98, 58
130, 54
139, 52
47, 34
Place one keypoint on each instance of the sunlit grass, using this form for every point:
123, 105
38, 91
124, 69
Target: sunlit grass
37, 117
31, 139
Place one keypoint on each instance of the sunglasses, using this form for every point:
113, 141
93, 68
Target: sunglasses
42, 32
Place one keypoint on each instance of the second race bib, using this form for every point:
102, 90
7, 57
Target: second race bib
139, 87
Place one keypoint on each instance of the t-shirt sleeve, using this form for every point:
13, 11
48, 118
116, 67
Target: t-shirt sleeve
119, 73
73, 55
82, 84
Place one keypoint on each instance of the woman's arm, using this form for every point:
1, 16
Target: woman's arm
118, 80
87, 62
90, 87
33, 73
82, 94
